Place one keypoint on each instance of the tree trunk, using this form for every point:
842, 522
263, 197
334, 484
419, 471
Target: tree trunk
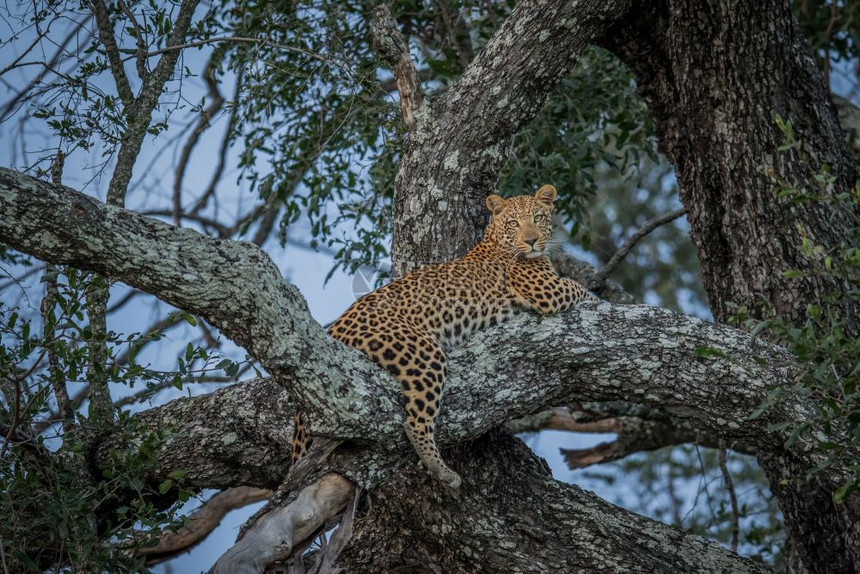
715, 74
453, 159
512, 516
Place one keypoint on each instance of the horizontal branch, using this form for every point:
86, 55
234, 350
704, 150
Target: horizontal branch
711, 377
638, 428
509, 516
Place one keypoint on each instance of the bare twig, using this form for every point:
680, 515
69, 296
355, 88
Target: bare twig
730, 487
22, 55
394, 51
56, 376
48, 67
21, 278
243, 40
222, 150
207, 222
217, 101
634, 239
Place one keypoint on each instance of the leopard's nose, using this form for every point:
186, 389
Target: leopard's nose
531, 242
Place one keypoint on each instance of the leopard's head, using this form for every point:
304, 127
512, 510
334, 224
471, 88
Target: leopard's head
522, 225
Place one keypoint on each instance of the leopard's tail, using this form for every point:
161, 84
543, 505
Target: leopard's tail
301, 439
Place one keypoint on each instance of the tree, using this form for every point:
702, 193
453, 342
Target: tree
741, 111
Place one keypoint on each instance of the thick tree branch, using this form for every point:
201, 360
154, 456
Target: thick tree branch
708, 374
510, 516
232, 285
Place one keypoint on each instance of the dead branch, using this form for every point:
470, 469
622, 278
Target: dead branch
394, 51
201, 523
275, 533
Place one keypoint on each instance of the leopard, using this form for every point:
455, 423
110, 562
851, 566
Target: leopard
407, 326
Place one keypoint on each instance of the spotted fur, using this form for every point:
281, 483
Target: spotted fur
406, 326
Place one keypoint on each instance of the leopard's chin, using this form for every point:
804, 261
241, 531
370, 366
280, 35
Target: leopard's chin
534, 254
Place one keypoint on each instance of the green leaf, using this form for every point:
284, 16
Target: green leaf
795, 434
843, 491
178, 474
189, 318
705, 352
792, 273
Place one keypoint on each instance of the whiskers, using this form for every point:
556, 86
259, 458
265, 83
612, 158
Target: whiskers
555, 242
510, 255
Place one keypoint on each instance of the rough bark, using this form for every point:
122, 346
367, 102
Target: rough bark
628, 352
598, 353
517, 518
453, 158
714, 74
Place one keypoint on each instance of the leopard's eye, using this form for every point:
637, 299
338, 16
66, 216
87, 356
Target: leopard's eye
539, 217
513, 223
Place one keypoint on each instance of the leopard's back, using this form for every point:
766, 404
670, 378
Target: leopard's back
407, 325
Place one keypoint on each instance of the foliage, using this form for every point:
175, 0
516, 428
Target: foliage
832, 29
593, 127
51, 503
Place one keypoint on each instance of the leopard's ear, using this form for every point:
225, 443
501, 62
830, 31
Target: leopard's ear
546, 195
496, 204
